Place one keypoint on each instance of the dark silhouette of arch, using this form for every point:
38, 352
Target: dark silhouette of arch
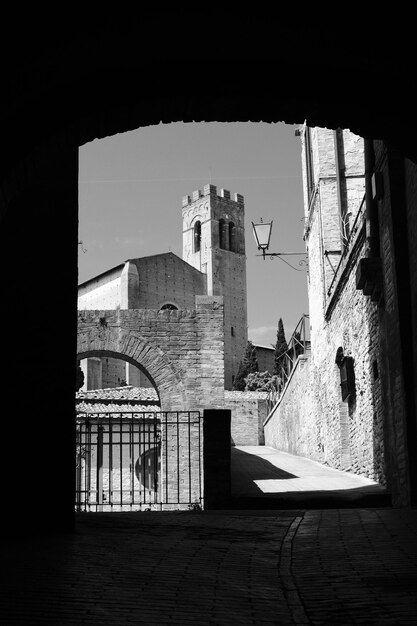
44, 120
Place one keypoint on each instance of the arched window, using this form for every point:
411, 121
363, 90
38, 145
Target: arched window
232, 237
197, 236
169, 306
222, 234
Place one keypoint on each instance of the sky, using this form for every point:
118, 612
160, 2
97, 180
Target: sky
130, 204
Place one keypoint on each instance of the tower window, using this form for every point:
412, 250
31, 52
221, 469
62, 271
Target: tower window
232, 331
222, 234
232, 237
197, 237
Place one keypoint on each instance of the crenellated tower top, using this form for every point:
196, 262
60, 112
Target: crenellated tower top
211, 190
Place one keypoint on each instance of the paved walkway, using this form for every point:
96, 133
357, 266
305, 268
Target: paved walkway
260, 472
336, 567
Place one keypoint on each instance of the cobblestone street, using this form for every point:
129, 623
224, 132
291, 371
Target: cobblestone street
350, 566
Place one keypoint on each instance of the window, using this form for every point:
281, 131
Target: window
222, 234
197, 236
232, 237
169, 306
347, 378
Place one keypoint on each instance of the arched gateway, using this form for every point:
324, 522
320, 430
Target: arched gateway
151, 459
181, 351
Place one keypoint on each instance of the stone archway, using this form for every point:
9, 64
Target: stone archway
55, 102
167, 345
154, 364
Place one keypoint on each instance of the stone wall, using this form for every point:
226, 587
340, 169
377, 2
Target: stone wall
224, 266
167, 279
266, 358
293, 425
182, 351
248, 411
311, 418
102, 292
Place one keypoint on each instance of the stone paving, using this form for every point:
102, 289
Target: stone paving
264, 476
350, 566
304, 565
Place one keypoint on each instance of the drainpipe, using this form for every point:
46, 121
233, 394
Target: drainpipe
371, 205
338, 187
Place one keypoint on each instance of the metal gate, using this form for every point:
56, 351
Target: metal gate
138, 461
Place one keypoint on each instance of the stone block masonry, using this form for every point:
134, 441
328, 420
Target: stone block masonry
214, 243
248, 413
312, 419
181, 351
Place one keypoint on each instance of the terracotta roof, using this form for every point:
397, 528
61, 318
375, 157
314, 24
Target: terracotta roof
126, 410
120, 394
126, 401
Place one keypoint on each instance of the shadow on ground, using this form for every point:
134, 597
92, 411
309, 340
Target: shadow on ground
246, 468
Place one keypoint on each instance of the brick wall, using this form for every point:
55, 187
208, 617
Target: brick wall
293, 426
248, 412
181, 350
397, 231
165, 278
225, 268
312, 419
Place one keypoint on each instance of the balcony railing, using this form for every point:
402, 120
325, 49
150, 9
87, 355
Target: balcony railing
298, 345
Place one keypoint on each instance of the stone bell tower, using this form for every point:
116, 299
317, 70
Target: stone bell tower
214, 243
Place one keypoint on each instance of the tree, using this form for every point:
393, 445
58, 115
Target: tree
80, 378
239, 382
281, 347
248, 365
259, 381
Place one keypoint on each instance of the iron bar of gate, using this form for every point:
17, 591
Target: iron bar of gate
110, 498
133, 435
298, 344
99, 482
132, 495
178, 457
189, 464
166, 457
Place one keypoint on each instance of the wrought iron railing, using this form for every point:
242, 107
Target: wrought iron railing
138, 461
299, 344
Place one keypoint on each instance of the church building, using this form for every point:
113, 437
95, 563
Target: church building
213, 263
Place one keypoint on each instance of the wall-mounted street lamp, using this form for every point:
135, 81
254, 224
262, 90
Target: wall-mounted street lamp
262, 233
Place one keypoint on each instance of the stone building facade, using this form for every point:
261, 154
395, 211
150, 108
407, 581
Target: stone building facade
181, 351
213, 264
214, 244
331, 409
265, 356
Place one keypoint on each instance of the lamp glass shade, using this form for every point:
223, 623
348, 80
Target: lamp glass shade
262, 234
